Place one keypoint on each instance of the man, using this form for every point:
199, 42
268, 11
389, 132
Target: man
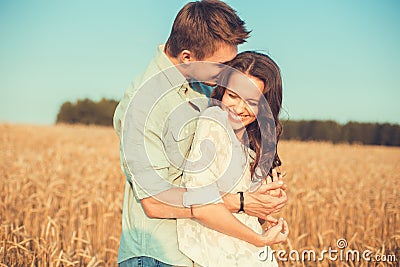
155, 122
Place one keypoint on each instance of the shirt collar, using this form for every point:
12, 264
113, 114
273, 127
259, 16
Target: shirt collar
177, 80
173, 75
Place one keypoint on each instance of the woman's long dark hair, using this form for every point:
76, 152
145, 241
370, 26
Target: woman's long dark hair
264, 68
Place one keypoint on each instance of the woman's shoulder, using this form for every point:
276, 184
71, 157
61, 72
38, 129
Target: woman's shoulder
215, 113
216, 119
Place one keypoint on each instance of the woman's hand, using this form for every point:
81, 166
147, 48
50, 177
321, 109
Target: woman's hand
276, 234
270, 220
275, 177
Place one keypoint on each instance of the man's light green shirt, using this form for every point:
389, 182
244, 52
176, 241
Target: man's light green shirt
167, 137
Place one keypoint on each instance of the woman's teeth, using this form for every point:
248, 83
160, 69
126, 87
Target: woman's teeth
238, 117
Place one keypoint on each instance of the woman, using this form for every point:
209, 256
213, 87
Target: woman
233, 136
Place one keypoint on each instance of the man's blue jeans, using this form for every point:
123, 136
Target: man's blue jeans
143, 262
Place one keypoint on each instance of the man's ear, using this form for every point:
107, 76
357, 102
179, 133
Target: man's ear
186, 56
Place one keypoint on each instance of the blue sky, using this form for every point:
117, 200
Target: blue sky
340, 60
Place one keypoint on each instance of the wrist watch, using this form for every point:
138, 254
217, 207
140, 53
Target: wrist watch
241, 209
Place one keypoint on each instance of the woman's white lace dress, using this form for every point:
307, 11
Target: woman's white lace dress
217, 162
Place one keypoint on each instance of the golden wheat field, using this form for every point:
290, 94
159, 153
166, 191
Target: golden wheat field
62, 190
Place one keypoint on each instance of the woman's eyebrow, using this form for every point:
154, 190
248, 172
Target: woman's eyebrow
246, 99
231, 92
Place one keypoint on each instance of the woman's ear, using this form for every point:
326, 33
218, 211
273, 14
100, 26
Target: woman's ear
186, 56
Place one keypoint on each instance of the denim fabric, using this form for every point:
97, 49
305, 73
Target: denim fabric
143, 262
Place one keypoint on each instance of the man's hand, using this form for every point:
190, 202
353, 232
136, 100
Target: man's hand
261, 204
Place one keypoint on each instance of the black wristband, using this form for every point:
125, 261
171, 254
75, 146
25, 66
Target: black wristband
241, 209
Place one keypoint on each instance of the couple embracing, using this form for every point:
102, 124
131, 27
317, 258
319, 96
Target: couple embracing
198, 145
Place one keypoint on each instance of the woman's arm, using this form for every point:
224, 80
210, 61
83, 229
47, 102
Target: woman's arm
219, 218
213, 144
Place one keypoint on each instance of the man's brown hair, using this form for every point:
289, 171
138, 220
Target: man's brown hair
202, 26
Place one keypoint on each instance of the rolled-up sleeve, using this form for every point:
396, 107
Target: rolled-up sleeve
145, 162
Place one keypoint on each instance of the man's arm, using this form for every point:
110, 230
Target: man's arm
159, 206
215, 216
259, 203
144, 160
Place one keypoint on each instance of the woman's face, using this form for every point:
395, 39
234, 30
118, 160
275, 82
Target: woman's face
241, 99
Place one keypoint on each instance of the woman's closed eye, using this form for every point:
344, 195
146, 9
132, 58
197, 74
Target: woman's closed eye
253, 103
232, 95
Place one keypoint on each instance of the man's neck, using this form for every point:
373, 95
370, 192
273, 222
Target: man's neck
174, 60
177, 63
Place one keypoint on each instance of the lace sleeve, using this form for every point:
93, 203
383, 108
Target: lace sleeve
208, 159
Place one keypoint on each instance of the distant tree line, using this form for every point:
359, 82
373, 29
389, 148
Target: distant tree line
352, 132
87, 112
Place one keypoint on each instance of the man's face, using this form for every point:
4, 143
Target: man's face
208, 69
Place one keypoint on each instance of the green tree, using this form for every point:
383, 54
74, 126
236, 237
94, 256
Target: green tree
87, 112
